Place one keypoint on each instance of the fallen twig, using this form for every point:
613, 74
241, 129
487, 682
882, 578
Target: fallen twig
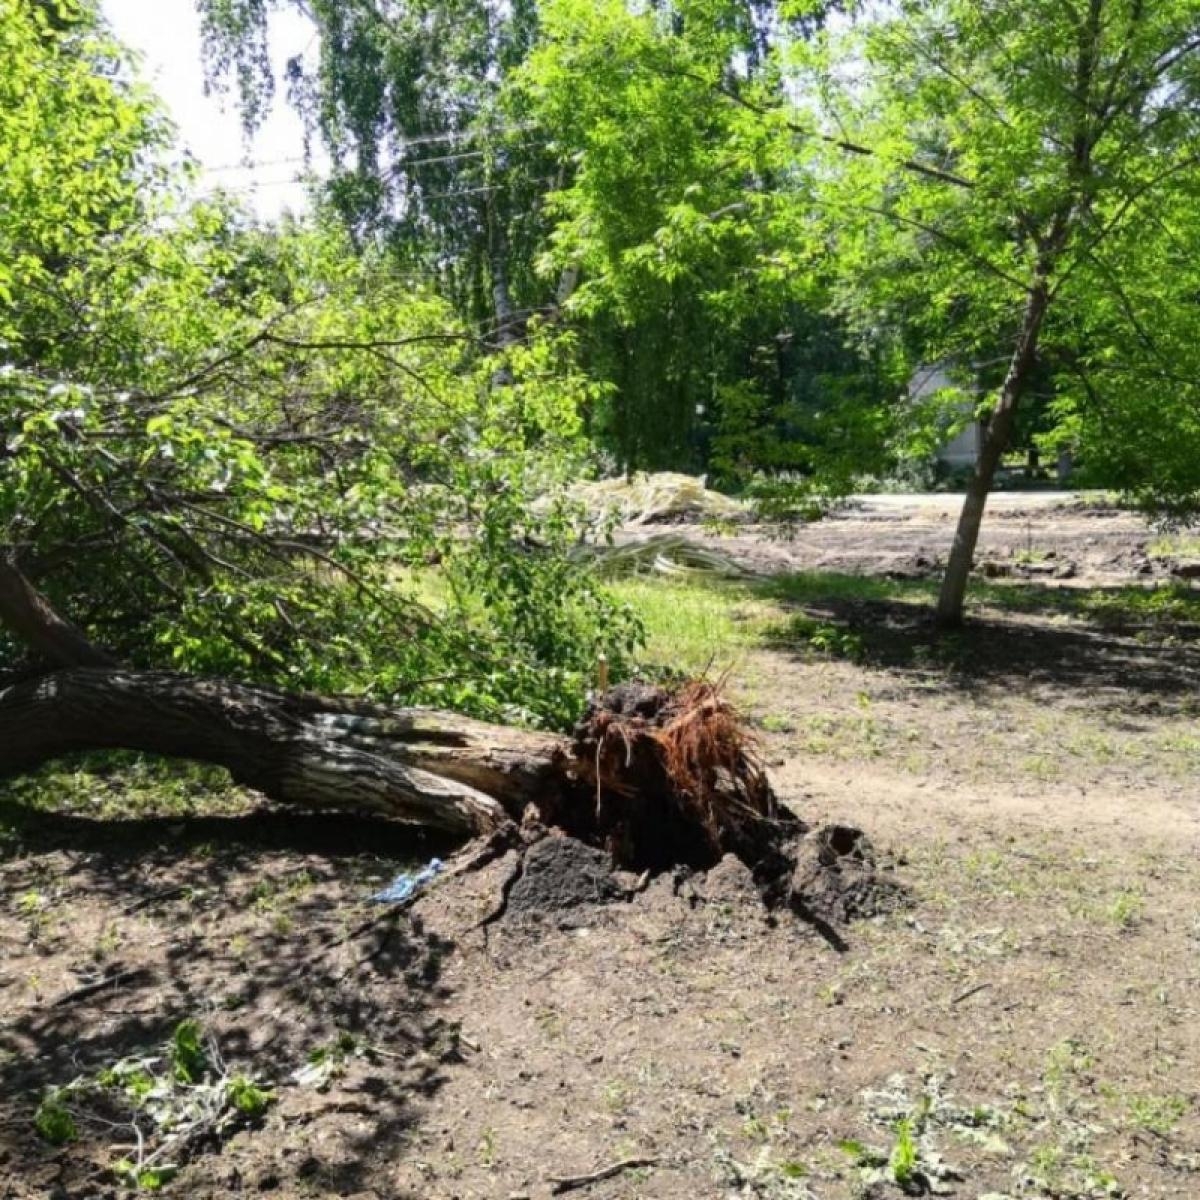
90, 989
979, 987
568, 1183
389, 913
510, 881
154, 898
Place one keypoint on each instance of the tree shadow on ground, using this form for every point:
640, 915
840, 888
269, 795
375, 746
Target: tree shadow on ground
258, 927
1112, 644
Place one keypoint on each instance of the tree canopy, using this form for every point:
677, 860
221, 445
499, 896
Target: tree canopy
559, 237
230, 448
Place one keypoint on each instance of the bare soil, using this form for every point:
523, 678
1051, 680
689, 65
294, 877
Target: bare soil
1033, 1015
1025, 535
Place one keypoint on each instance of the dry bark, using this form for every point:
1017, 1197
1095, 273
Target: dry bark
431, 768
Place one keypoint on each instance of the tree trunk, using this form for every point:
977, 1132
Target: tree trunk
995, 442
430, 768
31, 618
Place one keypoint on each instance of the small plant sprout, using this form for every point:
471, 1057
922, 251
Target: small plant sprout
1126, 909
902, 1162
247, 1097
188, 1058
53, 1120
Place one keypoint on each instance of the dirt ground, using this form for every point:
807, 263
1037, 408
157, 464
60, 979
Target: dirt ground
1050, 535
1028, 1028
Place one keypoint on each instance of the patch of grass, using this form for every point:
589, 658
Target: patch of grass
274, 896
146, 1179
116, 783
1126, 909
1174, 545
694, 626
776, 723
828, 587
1056, 1172
616, 1096
487, 1148
1065, 1061
822, 637
1157, 606
248, 1097
550, 1022
1156, 1114
107, 943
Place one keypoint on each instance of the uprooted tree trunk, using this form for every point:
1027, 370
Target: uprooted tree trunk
429, 768
654, 777
658, 779
684, 757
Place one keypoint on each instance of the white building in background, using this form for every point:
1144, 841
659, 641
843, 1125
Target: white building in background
963, 449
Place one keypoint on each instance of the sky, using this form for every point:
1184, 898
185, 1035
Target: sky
166, 33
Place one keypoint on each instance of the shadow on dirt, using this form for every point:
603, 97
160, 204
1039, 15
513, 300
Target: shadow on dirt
255, 927
1120, 641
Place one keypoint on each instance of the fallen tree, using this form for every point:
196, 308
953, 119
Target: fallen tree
436, 769
658, 779
424, 767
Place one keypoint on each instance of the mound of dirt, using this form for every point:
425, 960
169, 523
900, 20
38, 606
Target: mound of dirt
837, 877
562, 873
828, 876
669, 782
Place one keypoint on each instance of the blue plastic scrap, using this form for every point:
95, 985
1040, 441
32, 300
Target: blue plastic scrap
406, 884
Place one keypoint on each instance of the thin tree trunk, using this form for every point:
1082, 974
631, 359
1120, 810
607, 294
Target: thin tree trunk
995, 442
31, 618
430, 768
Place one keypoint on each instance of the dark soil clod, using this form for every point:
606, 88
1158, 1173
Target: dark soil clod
836, 877
561, 873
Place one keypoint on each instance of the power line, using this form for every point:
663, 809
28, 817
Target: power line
254, 166
392, 168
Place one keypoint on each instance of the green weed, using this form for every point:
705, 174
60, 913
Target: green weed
53, 1121
1126, 909
248, 1097
903, 1160
1156, 1114
189, 1060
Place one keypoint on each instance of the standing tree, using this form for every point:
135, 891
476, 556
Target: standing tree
405, 97
683, 218
967, 178
1000, 170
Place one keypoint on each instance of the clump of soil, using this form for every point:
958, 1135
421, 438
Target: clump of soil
562, 873
837, 878
671, 781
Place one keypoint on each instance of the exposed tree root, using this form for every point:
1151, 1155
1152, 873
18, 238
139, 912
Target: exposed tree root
676, 780
667, 780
